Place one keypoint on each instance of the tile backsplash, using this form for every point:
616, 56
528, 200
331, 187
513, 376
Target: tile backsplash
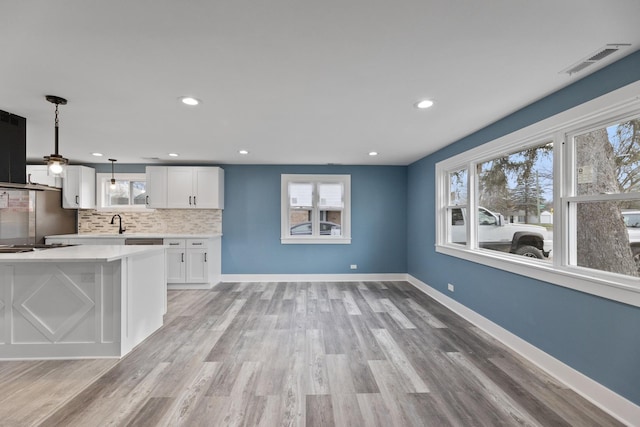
169, 221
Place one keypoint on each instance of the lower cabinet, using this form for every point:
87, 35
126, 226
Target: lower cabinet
192, 261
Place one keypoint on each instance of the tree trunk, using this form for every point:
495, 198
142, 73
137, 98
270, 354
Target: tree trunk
602, 239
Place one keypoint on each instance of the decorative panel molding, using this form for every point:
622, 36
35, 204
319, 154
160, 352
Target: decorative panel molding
55, 306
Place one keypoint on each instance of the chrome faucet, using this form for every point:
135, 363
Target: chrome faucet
120, 229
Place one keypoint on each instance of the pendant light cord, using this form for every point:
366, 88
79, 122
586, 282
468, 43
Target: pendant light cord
57, 122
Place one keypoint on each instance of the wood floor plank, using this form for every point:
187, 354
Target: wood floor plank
391, 389
374, 410
346, 410
131, 404
409, 377
317, 380
319, 411
350, 304
503, 402
223, 322
241, 396
296, 354
340, 375
184, 404
151, 413
425, 315
396, 314
372, 300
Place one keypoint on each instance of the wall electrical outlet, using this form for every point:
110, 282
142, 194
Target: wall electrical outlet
450, 287
354, 266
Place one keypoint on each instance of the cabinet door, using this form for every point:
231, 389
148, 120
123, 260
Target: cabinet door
207, 187
39, 174
175, 259
79, 188
156, 186
87, 189
197, 266
70, 188
180, 187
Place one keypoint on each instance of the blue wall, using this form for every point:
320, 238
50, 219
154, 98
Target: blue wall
251, 223
596, 336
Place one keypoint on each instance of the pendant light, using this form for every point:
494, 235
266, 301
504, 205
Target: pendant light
113, 179
56, 162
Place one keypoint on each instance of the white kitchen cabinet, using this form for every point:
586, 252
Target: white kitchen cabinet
156, 186
192, 263
195, 187
197, 268
39, 174
176, 262
79, 188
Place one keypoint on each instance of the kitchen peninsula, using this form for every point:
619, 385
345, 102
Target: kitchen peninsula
80, 301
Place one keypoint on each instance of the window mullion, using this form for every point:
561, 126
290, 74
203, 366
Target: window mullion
315, 211
472, 206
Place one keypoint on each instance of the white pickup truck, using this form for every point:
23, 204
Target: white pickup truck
493, 233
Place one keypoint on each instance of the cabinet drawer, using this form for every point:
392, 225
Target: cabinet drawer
197, 243
175, 243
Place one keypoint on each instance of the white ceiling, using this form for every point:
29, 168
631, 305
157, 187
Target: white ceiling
292, 81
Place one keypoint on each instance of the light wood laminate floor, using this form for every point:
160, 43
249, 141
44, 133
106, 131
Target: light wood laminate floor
296, 354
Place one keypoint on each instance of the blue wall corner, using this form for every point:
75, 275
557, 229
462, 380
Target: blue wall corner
595, 336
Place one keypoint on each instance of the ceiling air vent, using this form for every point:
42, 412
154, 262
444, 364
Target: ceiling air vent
597, 56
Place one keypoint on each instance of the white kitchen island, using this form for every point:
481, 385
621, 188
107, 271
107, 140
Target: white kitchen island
80, 301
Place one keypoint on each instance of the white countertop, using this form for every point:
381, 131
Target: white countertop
135, 235
103, 253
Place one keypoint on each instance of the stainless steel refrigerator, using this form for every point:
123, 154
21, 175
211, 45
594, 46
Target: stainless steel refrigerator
26, 216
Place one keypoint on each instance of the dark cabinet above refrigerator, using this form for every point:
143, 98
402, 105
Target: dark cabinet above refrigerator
13, 148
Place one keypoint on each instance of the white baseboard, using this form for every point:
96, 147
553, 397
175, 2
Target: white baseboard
617, 406
388, 277
185, 286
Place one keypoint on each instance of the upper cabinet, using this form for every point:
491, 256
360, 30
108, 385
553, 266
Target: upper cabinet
39, 174
79, 188
182, 187
156, 186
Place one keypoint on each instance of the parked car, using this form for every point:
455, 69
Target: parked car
304, 228
632, 221
493, 233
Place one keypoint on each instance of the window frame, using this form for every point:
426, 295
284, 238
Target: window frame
103, 178
316, 238
617, 105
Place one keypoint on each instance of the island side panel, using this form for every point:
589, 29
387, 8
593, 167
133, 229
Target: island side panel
59, 310
144, 291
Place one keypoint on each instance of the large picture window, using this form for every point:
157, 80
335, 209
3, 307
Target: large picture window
558, 200
316, 209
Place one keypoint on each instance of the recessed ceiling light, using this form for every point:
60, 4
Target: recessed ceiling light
173, 154
373, 153
97, 154
188, 100
425, 103
243, 152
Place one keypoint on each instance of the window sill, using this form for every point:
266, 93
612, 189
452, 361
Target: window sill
315, 240
606, 285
